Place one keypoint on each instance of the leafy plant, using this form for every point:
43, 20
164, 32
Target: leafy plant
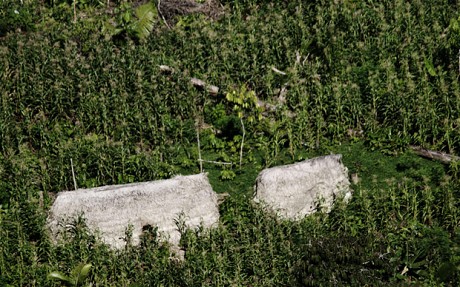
137, 23
146, 15
227, 174
14, 16
246, 107
344, 69
77, 278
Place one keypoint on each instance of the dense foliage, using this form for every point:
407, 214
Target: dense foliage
81, 80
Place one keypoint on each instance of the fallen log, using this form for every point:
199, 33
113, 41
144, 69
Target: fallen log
435, 155
213, 90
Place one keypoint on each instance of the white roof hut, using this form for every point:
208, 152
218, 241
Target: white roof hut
111, 209
294, 190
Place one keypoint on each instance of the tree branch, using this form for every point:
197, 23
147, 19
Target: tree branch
435, 155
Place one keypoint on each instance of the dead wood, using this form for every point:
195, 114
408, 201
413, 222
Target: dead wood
435, 155
200, 84
213, 90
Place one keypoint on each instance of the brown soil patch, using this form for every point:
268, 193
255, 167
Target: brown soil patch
171, 9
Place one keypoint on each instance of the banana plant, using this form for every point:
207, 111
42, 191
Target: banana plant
77, 277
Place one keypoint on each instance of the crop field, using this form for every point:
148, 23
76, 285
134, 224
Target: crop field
94, 93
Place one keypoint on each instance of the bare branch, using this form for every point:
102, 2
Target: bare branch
166, 69
216, 162
213, 90
161, 14
73, 175
199, 145
436, 155
242, 141
278, 71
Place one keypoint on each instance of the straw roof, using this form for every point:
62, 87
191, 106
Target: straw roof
294, 190
111, 209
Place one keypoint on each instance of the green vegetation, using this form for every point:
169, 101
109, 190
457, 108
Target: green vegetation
78, 277
81, 80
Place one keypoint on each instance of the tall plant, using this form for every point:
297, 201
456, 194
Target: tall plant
245, 105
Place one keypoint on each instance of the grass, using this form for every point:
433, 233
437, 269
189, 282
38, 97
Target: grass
363, 79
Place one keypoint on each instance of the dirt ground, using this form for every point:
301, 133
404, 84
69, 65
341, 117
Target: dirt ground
170, 9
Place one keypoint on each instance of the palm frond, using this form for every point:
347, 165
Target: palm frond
146, 15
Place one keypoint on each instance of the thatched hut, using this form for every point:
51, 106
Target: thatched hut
111, 209
296, 190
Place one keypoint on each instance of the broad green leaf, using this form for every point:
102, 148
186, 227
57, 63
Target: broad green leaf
418, 264
83, 274
229, 97
126, 17
59, 276
454, 26
146, 15
430, 68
